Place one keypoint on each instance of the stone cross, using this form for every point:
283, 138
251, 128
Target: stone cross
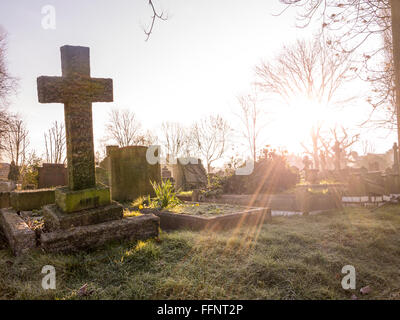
77, 90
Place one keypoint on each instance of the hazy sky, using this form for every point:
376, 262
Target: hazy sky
194, 64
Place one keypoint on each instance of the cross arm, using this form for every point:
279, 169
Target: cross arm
63, 89
50, 89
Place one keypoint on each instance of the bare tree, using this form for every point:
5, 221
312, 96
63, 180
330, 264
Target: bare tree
55, 144
210, 136
4, 127
17, 141
358, 25
124, 128
175, 139
340, 150
381, 76
8, 83
252, 121
356, 21
308, 69
368, 147
148, 138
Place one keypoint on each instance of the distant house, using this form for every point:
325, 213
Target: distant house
4, 169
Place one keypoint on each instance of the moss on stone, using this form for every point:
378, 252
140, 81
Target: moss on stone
71, 201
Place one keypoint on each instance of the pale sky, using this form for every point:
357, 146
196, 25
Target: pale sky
194, 64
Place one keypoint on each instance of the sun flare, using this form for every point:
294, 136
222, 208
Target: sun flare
296, 121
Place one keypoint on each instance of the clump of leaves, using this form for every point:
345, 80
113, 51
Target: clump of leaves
165, 194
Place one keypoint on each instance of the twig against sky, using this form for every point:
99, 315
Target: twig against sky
156, 15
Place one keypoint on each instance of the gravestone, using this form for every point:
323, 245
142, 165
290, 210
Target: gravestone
166, 173
4, 169
52, 175
129, 173
7, 186
77, 91
189, 175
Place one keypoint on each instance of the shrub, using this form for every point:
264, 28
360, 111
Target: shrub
165, 195
271, 174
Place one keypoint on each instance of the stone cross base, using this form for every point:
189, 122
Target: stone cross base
76, 200
77, 208
134, 228
55, 219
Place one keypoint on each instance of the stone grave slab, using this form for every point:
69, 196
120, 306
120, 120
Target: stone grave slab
249, 216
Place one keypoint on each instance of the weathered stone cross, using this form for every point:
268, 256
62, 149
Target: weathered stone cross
77, 90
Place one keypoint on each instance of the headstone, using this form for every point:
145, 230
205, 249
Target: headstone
166, 173
4, 169
77, 91
129, 173
52, 175
7, 186
189, 175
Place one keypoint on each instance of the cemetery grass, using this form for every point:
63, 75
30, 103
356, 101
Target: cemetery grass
289, 258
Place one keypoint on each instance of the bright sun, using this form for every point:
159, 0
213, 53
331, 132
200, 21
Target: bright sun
295, 122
